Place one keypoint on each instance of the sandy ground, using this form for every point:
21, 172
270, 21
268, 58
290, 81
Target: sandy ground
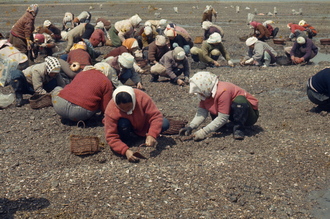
280, 170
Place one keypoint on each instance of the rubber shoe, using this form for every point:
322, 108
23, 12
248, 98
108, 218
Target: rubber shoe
238, 134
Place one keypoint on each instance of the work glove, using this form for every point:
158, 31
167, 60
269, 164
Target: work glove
150, 141
29, 44
230, 63
249, 61
185, 131
199, 135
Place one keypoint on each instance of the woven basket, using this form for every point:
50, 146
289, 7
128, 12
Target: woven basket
38, 101
83, 145
175, 126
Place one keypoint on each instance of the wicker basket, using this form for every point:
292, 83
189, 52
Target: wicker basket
175, 126
38, 101
198, 40
325, 41
83, 145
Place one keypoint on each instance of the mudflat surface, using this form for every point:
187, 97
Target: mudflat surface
270, 174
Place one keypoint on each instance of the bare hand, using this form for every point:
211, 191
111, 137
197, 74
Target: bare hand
150, 141
130, 157
216, 63
180, 82
139, 86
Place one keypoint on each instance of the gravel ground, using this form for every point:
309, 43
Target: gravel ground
270, 174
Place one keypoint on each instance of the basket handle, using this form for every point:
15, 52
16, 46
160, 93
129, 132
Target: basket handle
81, 121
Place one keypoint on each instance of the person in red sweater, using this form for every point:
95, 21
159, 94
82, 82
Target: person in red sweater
132, 112
223, 101
98, 35
78, 54
296, 31
88, 93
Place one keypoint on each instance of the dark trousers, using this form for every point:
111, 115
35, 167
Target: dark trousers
125, 127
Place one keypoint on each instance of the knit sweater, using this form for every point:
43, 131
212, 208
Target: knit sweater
98, 36
24, 27
81, 56
226, 93
90, 89
146, 119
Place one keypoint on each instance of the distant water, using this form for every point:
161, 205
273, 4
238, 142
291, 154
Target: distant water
197, 1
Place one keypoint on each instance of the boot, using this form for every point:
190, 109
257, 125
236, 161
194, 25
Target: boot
195, 57
238, 132
154, 78
19, 99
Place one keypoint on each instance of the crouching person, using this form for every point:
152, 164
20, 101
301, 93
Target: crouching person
223, 101
88, 93
259, 53
40, 78
172, 64
132, 112
210, 51
318, 90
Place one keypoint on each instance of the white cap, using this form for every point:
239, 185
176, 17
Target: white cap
301, 23
147, 30
47, 23
179, 53
126, 60
251, 40
214, 38
301, 40
147, 24
206, 25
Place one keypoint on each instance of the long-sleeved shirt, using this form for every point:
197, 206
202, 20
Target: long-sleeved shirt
24, 27
309, 49
146, 119
90, 89
155, 53
321, 82
257, 52
75, 35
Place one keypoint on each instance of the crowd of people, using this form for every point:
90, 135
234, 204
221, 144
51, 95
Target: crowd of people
80, 86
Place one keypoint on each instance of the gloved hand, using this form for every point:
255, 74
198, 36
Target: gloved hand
230, 63
199, 135
185, 131
249, 61
29, 44
150, 141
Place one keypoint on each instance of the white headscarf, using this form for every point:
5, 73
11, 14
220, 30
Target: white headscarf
135, 20
130, 91
205, 83
103, 67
